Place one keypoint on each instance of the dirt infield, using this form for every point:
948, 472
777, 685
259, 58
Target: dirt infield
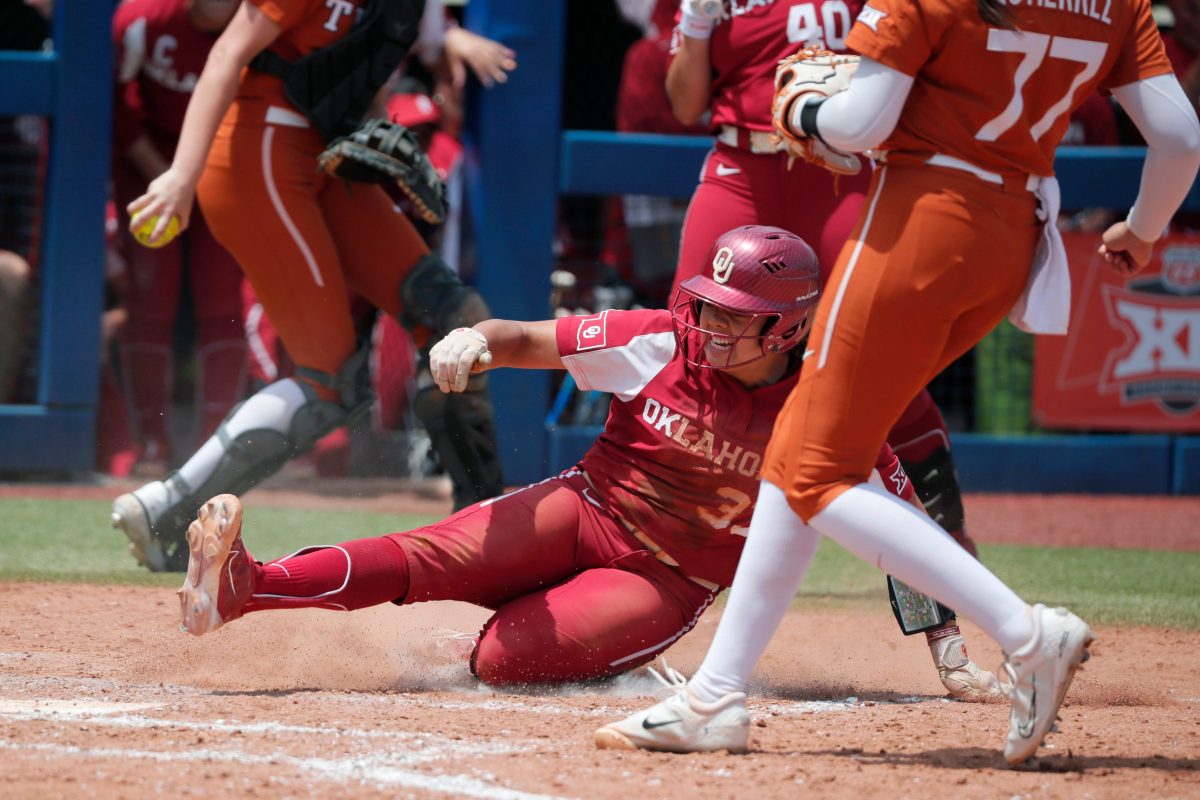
101, 696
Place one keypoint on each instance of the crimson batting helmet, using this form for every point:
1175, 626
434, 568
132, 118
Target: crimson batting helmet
756, 271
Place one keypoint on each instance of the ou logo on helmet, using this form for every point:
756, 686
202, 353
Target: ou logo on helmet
722, 265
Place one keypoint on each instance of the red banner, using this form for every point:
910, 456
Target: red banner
1131, 359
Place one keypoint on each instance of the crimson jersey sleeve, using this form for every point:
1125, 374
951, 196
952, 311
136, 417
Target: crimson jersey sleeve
895, 479
616, 351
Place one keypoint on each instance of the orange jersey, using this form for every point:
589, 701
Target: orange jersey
1013, 120
308, 25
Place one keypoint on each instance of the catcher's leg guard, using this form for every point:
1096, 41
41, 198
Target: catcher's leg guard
936, 483
462, 430
434, 296
460, 425
258, 437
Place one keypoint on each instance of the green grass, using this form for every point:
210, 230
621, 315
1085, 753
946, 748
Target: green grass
70, 540
1106, 587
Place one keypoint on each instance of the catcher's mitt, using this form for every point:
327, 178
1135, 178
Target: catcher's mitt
821, 73
381, 151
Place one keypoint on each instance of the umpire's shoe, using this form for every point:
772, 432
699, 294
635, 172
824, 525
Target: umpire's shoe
220, 575
681, 724
1041, 671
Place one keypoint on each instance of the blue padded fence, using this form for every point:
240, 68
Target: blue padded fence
73, 87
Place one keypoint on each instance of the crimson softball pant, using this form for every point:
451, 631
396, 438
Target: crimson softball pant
939, 258
303, 239
153, 292
741, 188
576, 596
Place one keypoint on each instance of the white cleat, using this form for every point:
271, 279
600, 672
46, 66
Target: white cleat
1041, 671
129, 516
962, 677
681, 724
220, 574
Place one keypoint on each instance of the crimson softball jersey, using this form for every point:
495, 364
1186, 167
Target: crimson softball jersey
679, 459
752, 36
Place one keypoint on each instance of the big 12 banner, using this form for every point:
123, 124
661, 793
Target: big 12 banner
1131, 358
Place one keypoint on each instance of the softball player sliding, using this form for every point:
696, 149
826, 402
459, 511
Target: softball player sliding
596, 570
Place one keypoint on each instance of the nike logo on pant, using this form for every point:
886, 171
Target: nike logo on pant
723, 170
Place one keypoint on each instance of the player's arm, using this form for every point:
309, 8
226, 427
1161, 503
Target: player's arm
249, 33
493, 343
860, 118
689, 80
1167, 121
689, 75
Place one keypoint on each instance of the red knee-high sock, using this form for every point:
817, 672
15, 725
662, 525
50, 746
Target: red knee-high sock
920, 430
347, 576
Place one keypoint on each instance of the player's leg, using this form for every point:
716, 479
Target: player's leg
922, 442
146, 345
270, 222
14, 291
935, 274
221, 353
820, 207
777, 555
393, 269
487, 554
597, 623
928, 277
723, 200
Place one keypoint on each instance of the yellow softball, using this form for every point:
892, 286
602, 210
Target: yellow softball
146, 229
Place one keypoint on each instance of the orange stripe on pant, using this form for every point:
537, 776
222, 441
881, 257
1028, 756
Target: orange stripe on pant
937, 261
304, 239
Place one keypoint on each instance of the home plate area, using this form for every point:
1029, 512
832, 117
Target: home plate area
101, 696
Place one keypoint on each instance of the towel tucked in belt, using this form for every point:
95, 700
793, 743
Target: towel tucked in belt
1045, 305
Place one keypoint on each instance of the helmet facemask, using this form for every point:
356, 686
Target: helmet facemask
693, 339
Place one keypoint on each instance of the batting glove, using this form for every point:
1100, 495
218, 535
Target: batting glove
462, 352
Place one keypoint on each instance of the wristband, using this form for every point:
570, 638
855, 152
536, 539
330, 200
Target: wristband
803, 121
695, 26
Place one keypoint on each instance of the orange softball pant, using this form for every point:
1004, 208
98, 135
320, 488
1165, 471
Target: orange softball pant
303, 238
937, 260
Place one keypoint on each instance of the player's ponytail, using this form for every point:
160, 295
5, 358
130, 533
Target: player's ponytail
994, 12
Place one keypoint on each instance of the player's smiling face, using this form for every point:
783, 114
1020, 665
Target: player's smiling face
730, 339
733, 344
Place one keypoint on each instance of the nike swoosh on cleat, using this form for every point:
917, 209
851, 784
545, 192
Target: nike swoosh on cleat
1026, 730
648, 725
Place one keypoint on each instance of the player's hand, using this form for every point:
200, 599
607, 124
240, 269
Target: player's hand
170, 194
1125, 252
455, 358
489, 60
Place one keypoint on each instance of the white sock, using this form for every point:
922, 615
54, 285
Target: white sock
885, 531
779, 549
271, 408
